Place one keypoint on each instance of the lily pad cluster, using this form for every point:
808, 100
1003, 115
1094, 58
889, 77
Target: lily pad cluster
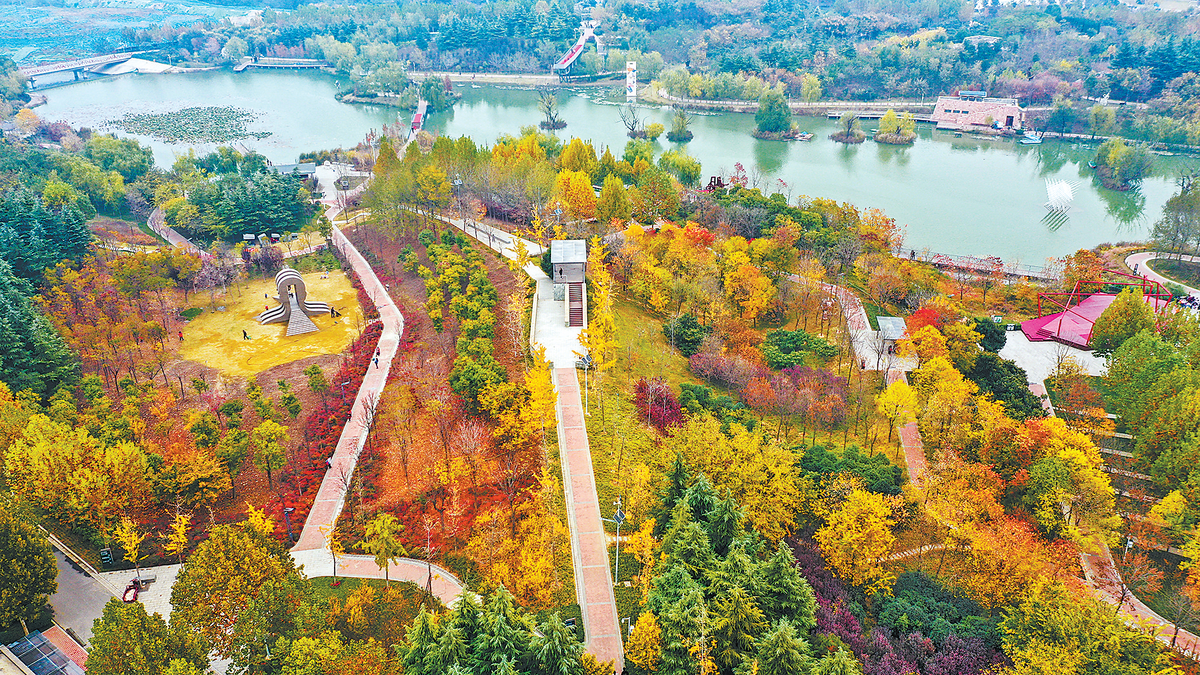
207, 124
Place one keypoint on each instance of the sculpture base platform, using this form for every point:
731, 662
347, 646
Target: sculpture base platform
298, 322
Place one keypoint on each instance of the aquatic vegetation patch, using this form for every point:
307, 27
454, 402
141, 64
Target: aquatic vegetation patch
207, 124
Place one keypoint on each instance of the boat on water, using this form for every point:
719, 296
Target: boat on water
1030, 138
1091, 164
804, 136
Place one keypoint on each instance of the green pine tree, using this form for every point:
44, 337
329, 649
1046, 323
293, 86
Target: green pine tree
556, 651
724, 525
783, 592
677, 482
686, 544
33, 355
452, 648
683, 627
421, 656
737, 624
701, 498
783, 652
837, 663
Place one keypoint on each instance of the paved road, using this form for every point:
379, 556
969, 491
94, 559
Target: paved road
80, 599
1138, 261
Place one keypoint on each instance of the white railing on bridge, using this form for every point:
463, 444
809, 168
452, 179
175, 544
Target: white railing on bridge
77, 64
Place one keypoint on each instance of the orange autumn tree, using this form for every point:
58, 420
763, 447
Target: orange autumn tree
525, 564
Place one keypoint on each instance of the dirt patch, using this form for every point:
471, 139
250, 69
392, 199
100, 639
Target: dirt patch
216, 336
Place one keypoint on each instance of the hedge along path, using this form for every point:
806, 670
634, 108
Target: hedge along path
589, 542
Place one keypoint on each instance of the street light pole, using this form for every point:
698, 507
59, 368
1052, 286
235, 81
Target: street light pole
618, 518
287, 512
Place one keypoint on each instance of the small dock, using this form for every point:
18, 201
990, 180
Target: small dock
875, 114
271, 62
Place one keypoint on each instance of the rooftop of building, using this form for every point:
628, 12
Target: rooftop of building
566, 251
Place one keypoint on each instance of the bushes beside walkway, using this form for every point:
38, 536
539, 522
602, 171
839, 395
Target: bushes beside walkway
322, 429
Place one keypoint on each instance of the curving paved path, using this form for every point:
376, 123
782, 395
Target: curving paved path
332, 494
1102, 576
310, 548
1140, 259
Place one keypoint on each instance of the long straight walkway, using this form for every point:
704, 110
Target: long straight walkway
910, 440
589, 547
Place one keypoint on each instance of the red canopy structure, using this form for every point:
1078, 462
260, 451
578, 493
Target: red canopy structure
1079, 308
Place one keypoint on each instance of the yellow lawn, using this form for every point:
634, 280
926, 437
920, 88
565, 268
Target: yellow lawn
215, 338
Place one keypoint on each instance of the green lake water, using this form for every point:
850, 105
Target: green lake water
962, 196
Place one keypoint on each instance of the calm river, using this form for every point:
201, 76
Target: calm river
955, 195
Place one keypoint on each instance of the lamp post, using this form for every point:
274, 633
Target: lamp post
343, 384
618, 518
287, 519
458, 198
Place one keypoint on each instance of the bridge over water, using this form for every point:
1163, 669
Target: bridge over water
76, 65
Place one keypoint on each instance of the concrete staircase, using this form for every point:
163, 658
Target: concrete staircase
575, 304
298, 322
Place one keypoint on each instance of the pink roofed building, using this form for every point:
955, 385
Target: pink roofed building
976, 111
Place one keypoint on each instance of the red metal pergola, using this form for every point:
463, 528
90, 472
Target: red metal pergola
1067, 303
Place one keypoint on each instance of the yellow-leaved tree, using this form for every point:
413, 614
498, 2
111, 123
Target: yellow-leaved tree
947, 400
856, 539
220, 579
641, 544
599, 338
644, 648
896, 404
130, 538
542, 397
760, 474
573, 191
525, 563
175, 542
75, 476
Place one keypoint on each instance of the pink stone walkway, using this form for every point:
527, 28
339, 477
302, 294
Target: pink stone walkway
446, 587
332, 494
589, 551
910, 440
1099, 569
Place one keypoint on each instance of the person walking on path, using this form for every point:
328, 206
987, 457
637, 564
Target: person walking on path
376, 360
181, 336
245, 335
